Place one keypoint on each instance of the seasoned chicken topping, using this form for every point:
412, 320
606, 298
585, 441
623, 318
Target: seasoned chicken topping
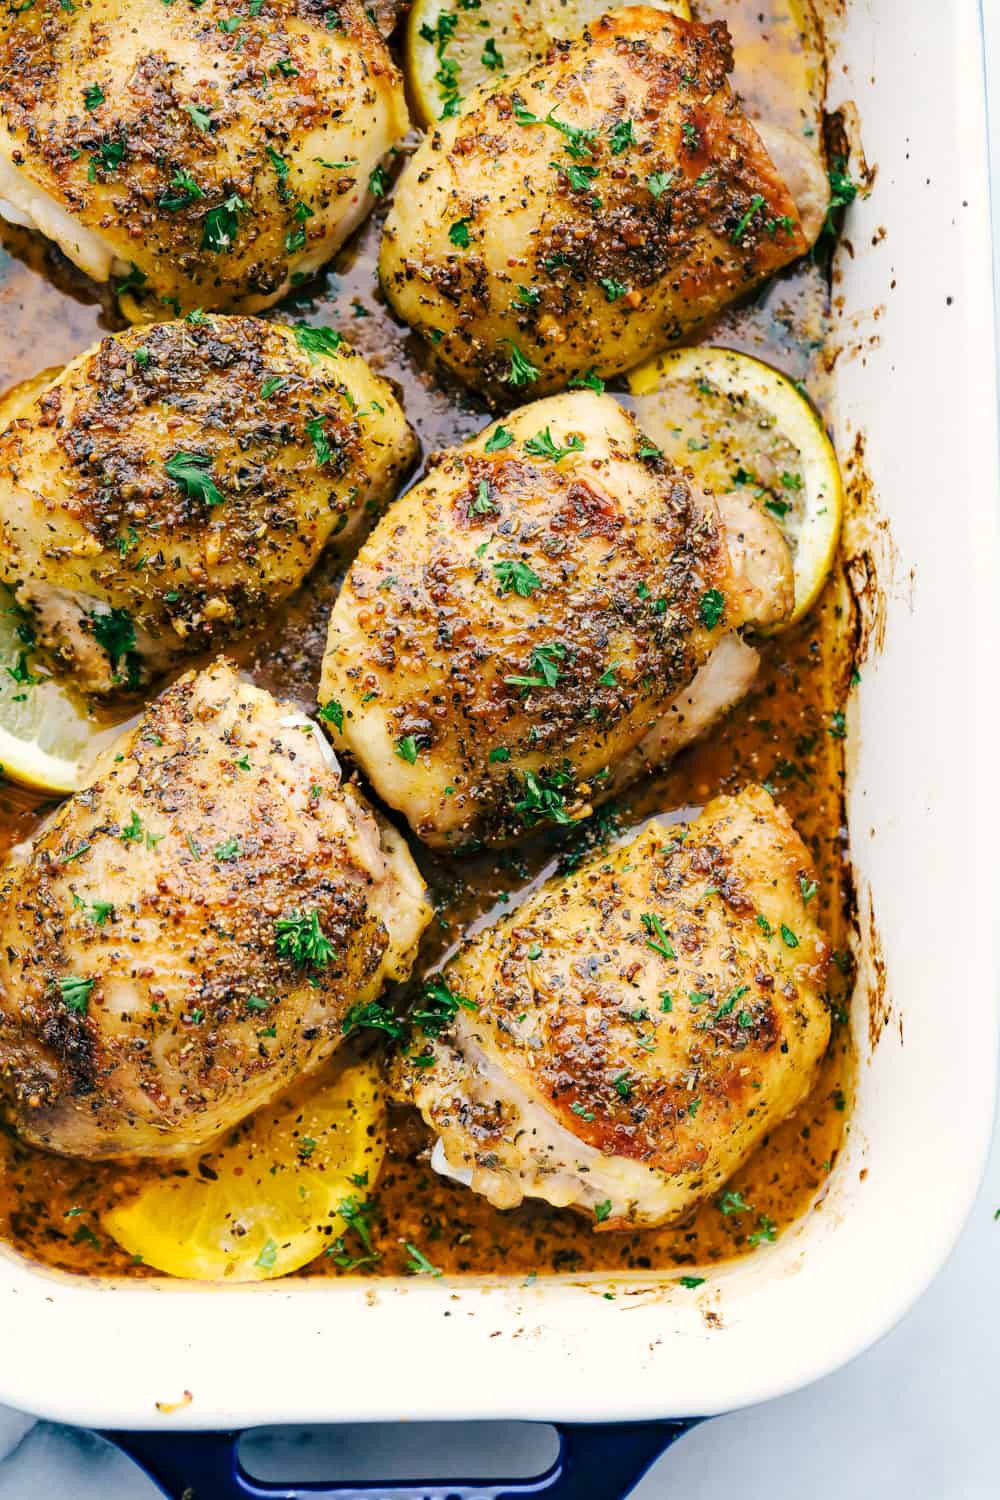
627, 1035
198, 154
170, 486
581, 215
518, 629
186, 935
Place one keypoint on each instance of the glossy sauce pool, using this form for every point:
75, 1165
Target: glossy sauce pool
787, 733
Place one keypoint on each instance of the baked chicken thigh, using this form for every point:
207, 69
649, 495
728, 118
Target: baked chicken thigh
585, 213
196, 155
173, 484
552, 610
186, 934
627, 1035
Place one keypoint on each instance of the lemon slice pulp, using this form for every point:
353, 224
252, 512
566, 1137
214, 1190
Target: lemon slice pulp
452, 46
276, 1193
48, 733
739, 424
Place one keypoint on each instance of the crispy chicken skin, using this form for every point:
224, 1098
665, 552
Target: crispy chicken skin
638, 1025
589, 211
206, 154
173, 484
160, 974
523, 630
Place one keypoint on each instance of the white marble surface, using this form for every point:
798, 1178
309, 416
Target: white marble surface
913, 1419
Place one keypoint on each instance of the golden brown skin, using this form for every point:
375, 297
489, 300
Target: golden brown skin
518, 626
282, 448
532, 253
205, 154
622, 1067
146, 1002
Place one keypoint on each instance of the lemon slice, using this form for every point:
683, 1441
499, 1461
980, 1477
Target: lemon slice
273, 1196
738, 423
48, 733
452, 46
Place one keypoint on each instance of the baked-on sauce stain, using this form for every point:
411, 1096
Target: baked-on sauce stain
785, 734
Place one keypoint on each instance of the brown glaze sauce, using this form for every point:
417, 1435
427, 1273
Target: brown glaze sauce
787, 733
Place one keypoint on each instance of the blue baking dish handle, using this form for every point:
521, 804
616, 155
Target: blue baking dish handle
596, 1461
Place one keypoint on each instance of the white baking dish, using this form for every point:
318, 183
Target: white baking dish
917, 381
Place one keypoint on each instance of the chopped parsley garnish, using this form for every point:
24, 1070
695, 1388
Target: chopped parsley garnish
842, 192
482, 505
808, 889
272, 385
373, 1014
499, 754
74, 993
527, 296
132, 831
439, 1004
579, 175
458, 234
114, 632
602, 1211
711, 608
228, 851
299, 936
729, 1004
765, 1234
542, 445
500, 438
543, 799
268, 1255
588, 382
101, 912
407, 749
622, 136
417, 1263
190, 471
659, 942
788, 937
838, 726
278, 162
516, 577
756, 204
317, 341
522, 371
623, 1085
220, 225
544, 660
107, 156
491, 57
93, 97
733, 1202
660, 183
185, 191
666, 1002
613, 290
295, 239
199, 117
690, 1282
320, 441
332, 713
377, 182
